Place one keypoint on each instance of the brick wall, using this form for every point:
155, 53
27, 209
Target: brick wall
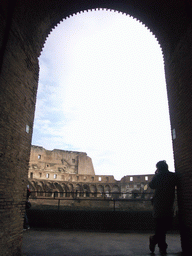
179, 80
18, 83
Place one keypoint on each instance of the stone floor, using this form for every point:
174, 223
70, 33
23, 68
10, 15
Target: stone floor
49, 242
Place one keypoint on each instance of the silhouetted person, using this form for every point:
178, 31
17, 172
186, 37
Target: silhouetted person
164, 183
27, 206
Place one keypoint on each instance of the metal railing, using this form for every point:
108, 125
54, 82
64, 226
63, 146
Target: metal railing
79, 196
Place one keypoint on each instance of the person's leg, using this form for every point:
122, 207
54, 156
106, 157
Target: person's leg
159, 237
152, 243
163, 226
26, 222
162, 239
153, 240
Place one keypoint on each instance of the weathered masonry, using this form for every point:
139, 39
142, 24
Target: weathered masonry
70, 174
59, 161
24, 27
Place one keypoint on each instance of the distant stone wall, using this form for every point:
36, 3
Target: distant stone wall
59, 162
55, 174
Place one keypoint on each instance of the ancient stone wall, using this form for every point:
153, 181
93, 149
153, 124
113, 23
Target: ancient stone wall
59, 162
179, 80
55, 173
18, 82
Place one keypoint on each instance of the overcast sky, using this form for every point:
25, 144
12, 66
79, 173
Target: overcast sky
102, 91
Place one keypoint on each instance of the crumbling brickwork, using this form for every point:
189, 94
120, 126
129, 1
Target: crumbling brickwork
56, 173
24, 27
59, 161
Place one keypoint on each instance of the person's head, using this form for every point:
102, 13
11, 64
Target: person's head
162, 166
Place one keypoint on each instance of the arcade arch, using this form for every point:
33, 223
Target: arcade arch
115, 191
86, 190
70, 190
100, 190
65, 190
32, 186
129, 111
39, 190
107, 190
93, 190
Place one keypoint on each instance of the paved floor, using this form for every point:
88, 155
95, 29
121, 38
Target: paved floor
63, 243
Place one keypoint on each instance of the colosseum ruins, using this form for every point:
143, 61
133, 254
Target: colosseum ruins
70, 175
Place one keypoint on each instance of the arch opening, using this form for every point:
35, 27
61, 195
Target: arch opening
114, 88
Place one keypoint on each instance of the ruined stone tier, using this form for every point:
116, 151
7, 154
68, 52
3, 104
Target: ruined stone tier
59, 161
60, 171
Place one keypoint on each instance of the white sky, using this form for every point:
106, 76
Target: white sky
102, 91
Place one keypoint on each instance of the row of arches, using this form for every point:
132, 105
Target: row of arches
54, 189
76, 190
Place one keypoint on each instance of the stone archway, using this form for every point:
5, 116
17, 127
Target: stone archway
25, 25
115, 192
93, 190
78, 189
39, 190
100, 190
59, 189
107, 190
86, 190
69, 190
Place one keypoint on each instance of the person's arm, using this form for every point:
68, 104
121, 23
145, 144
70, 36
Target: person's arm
153, 182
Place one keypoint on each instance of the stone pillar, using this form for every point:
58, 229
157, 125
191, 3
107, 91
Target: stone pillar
179, 86
18, 83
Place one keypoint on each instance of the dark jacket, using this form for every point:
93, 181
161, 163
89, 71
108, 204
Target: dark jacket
28, 193
164, 184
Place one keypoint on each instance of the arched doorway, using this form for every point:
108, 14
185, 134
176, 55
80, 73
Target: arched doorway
83, 68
